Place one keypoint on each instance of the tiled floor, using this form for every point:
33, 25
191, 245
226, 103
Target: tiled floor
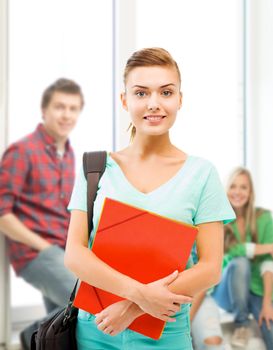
255, 341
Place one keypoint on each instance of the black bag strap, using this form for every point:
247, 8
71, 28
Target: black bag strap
94, 164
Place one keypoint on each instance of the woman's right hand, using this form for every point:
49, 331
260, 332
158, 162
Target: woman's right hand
156, 299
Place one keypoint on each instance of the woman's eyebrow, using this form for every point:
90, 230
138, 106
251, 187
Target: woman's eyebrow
145, 87
172, 84
140, 86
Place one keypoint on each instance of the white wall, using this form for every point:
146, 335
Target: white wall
205, 37
4, 280
125, 44
259, 98
52, 39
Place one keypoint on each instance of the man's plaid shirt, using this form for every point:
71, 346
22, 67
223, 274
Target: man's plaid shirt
35, 185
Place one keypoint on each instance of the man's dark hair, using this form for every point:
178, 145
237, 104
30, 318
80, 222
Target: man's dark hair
61, 85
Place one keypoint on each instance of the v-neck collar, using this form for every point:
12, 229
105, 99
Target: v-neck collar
157, 189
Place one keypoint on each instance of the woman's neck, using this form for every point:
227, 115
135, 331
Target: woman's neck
240, 213
146, 145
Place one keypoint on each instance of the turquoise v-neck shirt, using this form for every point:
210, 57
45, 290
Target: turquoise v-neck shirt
193, 195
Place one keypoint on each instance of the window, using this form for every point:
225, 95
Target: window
52, 39
208, 50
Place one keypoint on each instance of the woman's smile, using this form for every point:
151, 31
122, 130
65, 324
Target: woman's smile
154, 119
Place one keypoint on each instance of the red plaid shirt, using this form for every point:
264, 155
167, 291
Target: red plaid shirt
35, 185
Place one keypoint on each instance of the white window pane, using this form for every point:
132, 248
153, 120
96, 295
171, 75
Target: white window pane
50, 39
205, 39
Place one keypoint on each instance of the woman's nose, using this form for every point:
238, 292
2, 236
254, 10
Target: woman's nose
153, 103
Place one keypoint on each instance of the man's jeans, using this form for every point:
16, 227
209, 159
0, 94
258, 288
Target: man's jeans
233, 294
48, 274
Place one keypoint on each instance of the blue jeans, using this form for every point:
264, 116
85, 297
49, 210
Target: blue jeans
233, 294
48, 274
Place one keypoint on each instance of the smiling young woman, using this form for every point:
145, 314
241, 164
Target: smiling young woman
246, 286
152, 174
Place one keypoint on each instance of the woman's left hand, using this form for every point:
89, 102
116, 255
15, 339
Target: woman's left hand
266, 314
117, 317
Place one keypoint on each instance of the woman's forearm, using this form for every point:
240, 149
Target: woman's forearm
200, 277
207, 272
267, 281
261, 249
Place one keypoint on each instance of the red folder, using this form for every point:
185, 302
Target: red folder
142, 245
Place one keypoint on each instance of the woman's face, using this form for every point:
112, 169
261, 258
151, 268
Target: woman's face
152, 98
239, 191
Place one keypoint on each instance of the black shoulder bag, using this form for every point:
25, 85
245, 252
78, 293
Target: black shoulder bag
58, 332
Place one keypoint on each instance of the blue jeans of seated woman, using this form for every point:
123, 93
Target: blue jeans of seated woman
233, 294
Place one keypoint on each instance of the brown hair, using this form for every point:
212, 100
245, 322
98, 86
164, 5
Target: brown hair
61, 85
154, 56
250, 214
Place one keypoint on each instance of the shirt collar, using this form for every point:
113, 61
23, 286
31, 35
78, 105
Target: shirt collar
48, 139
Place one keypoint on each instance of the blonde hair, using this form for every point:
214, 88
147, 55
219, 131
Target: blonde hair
153, 56
249, 213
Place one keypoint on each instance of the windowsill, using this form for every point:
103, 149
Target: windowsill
21, 317
26, 314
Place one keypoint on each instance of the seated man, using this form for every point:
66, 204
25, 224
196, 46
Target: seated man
36, 177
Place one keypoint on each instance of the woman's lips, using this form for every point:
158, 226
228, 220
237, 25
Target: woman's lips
154, 119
